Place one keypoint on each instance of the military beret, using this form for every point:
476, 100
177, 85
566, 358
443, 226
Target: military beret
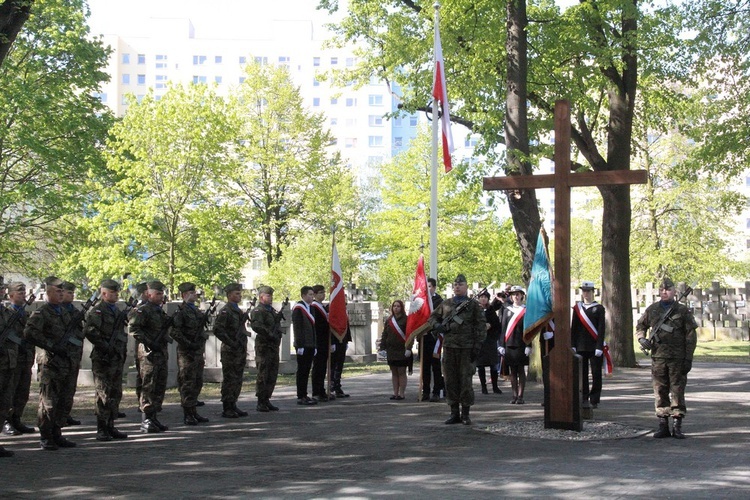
666, 284
265, 289
587, 285
53, 281
186, 287
141, 287
459, 279
16, 286
517, 289
67, 285
111, 285
233, 287
156, 285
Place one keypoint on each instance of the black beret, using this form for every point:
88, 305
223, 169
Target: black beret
53, 281
111, 285
156, 285
233, 287
186, 287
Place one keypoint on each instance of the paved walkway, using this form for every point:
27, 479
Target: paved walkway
367, 446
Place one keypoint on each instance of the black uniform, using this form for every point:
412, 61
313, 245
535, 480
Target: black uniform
588, 339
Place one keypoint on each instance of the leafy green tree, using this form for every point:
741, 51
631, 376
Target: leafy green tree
471, 239
51, 128
160, 212
287, 181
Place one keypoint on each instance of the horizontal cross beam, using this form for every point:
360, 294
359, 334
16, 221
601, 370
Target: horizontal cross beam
580, 179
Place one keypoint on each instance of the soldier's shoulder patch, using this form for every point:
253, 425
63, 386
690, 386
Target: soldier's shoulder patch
97, 311
224, 311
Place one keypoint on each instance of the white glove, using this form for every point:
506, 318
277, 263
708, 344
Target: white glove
548, 335
598, 353
300, 351
333, 348
527, 351
574, 349
315, 352
407, 353
501, 351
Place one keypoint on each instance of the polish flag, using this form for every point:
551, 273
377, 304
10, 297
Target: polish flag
440, 94
338, 320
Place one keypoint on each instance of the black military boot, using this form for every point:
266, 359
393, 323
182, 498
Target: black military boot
200, 419
271, 406
147, 424
25, 429
663, 431
60, 441
114, 432
484, 389
71, 421
677, 428
102, 431
455, 417
262, 406
5, 453
189, 417
229, 411
156, 422
48, 441
9, 429
239, 412
495, 388
465, 415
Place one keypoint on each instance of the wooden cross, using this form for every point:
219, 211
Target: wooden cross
562, 400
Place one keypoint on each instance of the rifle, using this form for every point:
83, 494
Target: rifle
7, 332
209, 312
655, 336
453, 316
75, 322
121, 317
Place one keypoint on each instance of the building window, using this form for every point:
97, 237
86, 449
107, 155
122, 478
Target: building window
374, 80
141, 58
375, 141
284, 60
351, 102
316, 83
124, 100
217, 79
397, 121
126, 79
349, 62
243, 59
199, 79
334, 122
375, 100
375, 120
471, 141
351, 122
334, 101
316, 61
242, 79
398, 142
198, 60
261, 60
350, 142
126, 58
102, 96
141, 79
748, 224
161, 61
413, 121
161, 81
316, 101
217, 60
334, 61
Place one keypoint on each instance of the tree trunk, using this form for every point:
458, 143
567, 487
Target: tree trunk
13, 15
523, 204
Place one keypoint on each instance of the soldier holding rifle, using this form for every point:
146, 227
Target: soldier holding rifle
266, 323
231, 330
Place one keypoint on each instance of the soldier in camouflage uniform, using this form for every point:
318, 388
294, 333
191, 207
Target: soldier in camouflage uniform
76, 317
266, 323
105, 329
672, 346
26, 352
229, 327
149, 326
47, 327
462, 343
8, 360
140, 290
188, 329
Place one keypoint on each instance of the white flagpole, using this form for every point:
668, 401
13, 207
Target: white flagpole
434, 171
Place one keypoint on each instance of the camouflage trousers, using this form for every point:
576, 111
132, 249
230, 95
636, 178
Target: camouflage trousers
267, 364
458, 371
71, 386
53, 383
669, 387
153, 368
233, 361
6, 391
22, 380
190, 365
108, 384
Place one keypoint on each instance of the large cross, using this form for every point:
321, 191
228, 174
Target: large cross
562, 406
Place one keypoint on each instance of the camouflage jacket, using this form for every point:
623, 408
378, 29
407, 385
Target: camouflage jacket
677, 336
148, 324
46, 327
9, 348
266, 323
467, 333
105, 329
187, 327
229, 326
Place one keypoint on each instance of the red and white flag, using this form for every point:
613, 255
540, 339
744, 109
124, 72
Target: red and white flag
421, 303
338, 320
440, 94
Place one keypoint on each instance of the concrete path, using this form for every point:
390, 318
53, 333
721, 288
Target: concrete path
367, 446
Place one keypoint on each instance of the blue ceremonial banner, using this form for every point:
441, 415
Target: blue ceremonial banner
539, 296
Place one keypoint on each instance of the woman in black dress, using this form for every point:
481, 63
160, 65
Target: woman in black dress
393, 342
488, 355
